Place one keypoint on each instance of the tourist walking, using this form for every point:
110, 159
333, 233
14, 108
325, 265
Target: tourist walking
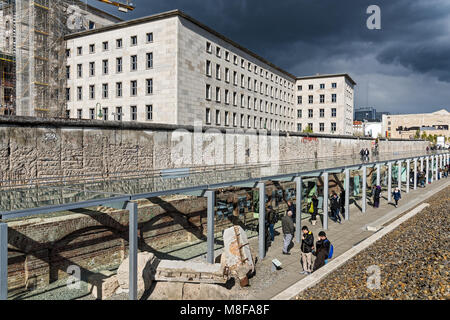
313, 209
335, 205
306, 249
376, 197
366, 154
321, 251
397, 196
270, 218
288, 231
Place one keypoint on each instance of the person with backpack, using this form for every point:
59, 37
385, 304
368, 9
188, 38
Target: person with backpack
313, 209
306, 249
397, 196
335, 205
288, 230
323, 251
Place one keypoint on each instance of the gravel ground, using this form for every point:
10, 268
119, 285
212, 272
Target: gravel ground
413, 260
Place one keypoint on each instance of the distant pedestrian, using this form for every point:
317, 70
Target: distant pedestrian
397, 196
335, 205
313, 209
270, 218
306, 249
376, 197
321, 251
366, 154
288, 231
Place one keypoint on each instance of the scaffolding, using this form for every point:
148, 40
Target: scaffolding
40, 57
40, 52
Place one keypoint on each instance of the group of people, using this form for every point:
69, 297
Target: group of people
321, 250
396, 194
364, 153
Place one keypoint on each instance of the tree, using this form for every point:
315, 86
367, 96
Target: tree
417, 136
308, 130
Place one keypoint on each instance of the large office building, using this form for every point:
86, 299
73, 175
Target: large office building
169, 68
325, 103
405, 126
369, 114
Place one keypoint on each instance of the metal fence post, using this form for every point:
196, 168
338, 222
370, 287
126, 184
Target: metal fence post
3, 261
132, 208
262, 220
364, 189
211, 200
325, 200
389, 181
347, 194
298, 222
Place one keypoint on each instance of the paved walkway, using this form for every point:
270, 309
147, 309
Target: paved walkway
343, 237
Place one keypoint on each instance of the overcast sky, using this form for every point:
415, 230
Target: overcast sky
402, 68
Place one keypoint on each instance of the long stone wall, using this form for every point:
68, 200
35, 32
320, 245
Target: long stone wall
33, 148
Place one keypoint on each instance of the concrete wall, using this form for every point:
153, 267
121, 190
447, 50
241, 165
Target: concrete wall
36, 148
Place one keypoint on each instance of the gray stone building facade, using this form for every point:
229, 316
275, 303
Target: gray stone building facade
169, 68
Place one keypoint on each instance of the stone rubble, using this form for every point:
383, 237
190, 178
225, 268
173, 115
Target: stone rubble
413, 261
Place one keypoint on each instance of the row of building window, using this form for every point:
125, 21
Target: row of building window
105, 44
105, 66
246, 120
321, 86
274, 92
105, 90
321, 113
117, 115
246, 64
321, 99
249, 102
310, 127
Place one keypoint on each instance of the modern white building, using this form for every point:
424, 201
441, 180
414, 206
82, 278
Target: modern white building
169, 68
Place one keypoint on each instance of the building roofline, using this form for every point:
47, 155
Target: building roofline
170, 14
329, 76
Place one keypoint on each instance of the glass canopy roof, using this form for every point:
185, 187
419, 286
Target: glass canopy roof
28, 200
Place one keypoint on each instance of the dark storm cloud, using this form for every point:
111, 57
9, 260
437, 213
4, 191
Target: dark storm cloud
327, 36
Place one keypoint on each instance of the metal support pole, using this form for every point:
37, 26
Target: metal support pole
325, 201
437, 168
421, 164
389, 181
132, 208
432, 169
262, 218
3, 261
378, 174
415, 174
399, 176
211, 200
347, 194
427, 170
364, 189
298, 213
408, 167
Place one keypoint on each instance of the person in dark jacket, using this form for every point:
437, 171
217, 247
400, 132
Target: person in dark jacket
342, 202
335, 205
306, 249
376, 197
397, 196
288, 231
270, 219
322, 251
313, 209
